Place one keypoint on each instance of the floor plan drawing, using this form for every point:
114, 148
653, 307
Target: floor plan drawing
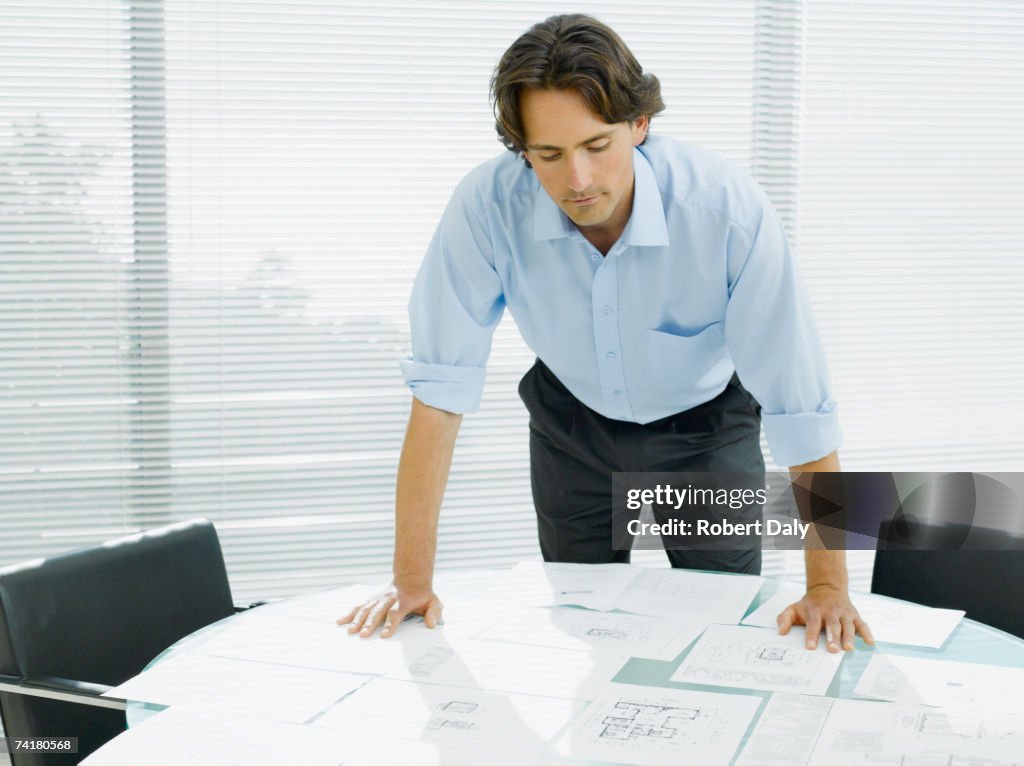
757, 658
635, 720
644, 725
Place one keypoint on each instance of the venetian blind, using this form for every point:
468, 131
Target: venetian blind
211, 216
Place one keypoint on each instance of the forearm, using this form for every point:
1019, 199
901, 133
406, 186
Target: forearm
824, 567
422, 476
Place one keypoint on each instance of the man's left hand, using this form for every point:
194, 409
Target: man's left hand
826, 607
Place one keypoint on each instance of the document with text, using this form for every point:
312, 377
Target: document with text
787, 731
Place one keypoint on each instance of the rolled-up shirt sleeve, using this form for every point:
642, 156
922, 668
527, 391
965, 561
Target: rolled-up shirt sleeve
774, 343
456, 302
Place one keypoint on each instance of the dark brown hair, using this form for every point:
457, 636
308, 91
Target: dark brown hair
572, 52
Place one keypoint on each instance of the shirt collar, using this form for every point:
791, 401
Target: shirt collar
646, 225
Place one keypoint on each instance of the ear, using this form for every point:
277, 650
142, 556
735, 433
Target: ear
640, 129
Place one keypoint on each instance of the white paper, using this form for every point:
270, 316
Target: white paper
892, 622
470, 725
285, 640
758, 658
257, 689
632, 635
942, 683
182, 737
326, 606
512, 668
691, 595
859, 732
787, 731
646, 725
537, 583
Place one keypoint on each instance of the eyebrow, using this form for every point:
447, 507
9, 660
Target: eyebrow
549, 148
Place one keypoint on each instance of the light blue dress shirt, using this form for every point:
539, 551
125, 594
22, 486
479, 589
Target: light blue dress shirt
700, 284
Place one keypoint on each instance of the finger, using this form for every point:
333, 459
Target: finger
376, 617
833, 634
813, 623
360, 618
849, 633
786, 620
865, 631
395, 616
348, 617
433, 614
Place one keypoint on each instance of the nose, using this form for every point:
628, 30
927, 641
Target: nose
580, 177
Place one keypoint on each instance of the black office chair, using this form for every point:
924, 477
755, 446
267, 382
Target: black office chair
974, 569
74, 625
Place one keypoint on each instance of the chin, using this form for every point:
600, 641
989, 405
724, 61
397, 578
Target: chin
589, 217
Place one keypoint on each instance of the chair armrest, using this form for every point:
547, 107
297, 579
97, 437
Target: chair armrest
68, 685
246, 607
63, 689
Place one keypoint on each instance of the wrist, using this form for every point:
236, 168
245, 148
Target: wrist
821, 587
412, 581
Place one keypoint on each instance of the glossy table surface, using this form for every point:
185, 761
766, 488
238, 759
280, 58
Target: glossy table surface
969, 642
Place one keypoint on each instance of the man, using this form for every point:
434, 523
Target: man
650, 277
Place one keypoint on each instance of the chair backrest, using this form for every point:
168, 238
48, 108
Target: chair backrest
981, 578
99, 615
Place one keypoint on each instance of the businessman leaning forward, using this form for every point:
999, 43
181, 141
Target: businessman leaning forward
654, 282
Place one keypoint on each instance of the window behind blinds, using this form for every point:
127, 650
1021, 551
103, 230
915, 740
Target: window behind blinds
211, 214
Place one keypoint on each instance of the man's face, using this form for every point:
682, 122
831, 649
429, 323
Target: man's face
584, 164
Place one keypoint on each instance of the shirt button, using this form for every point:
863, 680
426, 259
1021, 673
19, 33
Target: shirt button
595, 257
616, 393
610, 354
607, 309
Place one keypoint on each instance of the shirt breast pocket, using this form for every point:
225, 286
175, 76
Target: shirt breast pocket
679, 362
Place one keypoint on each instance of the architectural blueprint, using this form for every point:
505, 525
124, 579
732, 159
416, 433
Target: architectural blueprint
645, 725
758, 658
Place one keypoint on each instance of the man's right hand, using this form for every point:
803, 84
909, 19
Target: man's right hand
390, 607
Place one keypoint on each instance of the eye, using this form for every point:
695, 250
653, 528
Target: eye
552, 158
599, 148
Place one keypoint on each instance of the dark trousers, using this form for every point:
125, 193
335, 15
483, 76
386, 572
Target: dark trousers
574, 451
